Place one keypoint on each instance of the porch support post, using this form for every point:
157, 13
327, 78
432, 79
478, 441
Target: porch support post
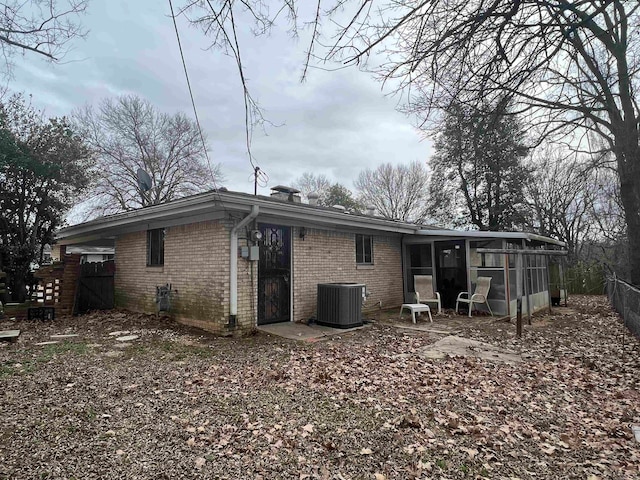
519, 294
233, 270
519, 274
526, 286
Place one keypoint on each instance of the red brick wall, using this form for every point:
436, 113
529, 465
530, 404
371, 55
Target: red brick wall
327, 257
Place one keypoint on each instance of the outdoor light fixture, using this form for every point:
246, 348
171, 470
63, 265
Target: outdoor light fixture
303, 232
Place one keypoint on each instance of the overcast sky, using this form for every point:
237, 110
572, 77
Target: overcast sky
336, 123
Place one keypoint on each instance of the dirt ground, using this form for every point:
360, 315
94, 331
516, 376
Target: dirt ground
178, 403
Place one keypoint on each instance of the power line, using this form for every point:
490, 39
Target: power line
193, 103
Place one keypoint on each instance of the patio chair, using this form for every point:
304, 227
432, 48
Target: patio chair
423, 286
479, 296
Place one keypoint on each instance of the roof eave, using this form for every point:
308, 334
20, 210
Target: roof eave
487, 234
213, 204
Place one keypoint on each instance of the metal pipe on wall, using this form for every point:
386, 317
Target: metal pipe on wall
233, 273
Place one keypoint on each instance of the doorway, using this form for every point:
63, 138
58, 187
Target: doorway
274, 275
451, 270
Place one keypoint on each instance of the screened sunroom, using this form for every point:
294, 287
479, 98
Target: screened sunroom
453, 260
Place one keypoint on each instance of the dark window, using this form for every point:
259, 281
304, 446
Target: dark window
419, 262
420, 256
364, 249
155, 247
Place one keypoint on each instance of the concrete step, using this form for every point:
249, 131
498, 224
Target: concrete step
9, 335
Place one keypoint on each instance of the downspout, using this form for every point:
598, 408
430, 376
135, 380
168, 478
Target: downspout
233, 273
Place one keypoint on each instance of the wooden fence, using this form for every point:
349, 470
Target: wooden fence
57, 284
95, 287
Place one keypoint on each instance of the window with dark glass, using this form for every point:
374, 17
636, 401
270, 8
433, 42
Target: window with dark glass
364, 249
155, 247
418, 262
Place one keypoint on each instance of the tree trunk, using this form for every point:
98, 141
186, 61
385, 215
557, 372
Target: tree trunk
629, 174
18, 287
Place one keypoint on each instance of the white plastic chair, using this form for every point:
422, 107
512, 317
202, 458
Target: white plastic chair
479, 296
423, 286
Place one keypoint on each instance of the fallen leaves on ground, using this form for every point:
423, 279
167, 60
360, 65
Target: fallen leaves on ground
178, 403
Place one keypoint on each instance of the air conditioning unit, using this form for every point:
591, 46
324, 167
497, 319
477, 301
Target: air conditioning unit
340, 304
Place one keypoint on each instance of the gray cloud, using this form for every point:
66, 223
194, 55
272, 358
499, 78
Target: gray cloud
335, 123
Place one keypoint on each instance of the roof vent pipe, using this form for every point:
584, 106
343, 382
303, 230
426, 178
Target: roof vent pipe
342, 208
371, 210
288, 194
313, 198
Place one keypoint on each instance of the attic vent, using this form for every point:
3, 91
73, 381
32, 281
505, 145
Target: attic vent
342, 208
313, 198
288, 194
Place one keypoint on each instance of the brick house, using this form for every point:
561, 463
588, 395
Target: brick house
235, 260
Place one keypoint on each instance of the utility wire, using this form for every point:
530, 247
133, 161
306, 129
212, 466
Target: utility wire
193, 104
259, 178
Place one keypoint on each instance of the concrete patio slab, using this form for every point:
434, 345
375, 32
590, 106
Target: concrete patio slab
465, 347
440, 330
303, 332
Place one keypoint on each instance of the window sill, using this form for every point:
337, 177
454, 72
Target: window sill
365, 266
155, 267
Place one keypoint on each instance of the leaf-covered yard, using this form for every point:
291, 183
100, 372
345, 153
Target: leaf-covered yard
175, 403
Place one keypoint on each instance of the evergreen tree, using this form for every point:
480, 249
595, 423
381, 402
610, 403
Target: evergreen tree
44, 166
478, 173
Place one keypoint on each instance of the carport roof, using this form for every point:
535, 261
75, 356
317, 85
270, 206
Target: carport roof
486, 234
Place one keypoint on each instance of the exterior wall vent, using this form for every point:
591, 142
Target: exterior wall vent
163, 297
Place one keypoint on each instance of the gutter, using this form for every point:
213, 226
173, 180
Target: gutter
489, 234
233, 271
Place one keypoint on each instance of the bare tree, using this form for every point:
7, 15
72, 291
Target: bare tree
397, 192
608, 243
128, 133
561, 196
43, 27
572, 66
310, 182
607, 208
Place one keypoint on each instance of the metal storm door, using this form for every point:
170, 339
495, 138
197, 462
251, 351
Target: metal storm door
274, 275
